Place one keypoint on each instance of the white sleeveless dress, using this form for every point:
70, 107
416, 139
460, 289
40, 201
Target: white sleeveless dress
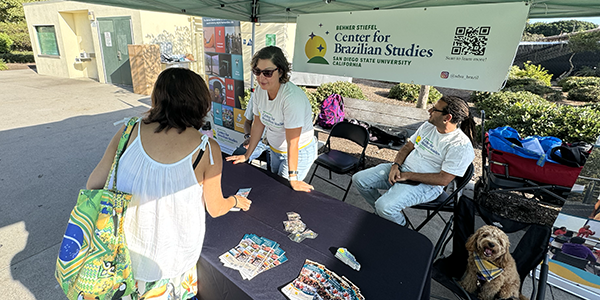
165, 222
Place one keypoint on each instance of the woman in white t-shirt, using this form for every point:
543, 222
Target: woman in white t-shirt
284, 110
174, 174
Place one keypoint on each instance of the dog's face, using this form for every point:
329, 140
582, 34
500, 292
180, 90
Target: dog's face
490, 243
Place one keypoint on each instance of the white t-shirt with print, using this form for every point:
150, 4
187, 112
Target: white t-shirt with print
434, 151
290, 109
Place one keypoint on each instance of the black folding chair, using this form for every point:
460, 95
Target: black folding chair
341, 162
531, 250
443, 202
574, 261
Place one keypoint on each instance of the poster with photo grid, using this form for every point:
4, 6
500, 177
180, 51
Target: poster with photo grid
224, 69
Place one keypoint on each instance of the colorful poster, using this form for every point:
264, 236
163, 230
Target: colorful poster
216, 86
237, 68
230, 92
217, 115
227, 112
239, 119
466, 47
220, 39
225, 72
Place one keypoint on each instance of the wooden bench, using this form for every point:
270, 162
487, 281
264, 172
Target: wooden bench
388, 117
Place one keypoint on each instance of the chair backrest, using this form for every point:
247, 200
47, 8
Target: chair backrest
349, 131
574, 261
462, 181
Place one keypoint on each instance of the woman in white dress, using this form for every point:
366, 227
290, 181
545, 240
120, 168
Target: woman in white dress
174, 174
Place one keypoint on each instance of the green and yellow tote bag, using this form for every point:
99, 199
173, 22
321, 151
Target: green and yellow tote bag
93, 261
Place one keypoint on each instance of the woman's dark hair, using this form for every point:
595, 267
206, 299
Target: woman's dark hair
276, 56
180, 99
459, 110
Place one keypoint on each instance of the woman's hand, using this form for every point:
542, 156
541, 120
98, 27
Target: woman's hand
237, 159
243, 203
301, 186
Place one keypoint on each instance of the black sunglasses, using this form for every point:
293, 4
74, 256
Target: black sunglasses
440, 110
266, 73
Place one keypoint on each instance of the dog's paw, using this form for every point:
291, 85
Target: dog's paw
469, 285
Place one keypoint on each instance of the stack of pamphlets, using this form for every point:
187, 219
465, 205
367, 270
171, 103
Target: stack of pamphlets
297, 228
344, 255
317, 282
253, 255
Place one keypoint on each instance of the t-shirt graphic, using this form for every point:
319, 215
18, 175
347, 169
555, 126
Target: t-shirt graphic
427, 145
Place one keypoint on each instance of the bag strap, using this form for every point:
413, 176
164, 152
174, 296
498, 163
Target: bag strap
122, 144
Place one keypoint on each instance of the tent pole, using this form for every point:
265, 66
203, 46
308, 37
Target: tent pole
252, 55
253, 19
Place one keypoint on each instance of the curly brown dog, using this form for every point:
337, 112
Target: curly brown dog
491, 244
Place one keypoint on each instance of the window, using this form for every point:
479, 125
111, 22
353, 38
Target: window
47, 40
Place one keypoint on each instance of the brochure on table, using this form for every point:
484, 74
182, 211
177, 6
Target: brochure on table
224, 67
580, 209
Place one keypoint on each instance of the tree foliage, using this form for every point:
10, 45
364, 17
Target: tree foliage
11, 11
582, 42
18, 34
585, 41
556, 28
12, 22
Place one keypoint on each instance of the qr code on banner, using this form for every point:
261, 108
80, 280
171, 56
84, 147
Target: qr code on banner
470, 40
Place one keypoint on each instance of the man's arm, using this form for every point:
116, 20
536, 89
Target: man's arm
442, 178
399, 160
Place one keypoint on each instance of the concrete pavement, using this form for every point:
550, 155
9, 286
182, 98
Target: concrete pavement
53, 131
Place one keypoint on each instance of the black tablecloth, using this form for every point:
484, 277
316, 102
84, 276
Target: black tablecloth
394, 260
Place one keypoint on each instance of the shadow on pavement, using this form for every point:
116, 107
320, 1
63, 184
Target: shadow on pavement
42, 168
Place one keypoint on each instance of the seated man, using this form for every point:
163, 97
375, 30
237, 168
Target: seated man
576, 248
433, 156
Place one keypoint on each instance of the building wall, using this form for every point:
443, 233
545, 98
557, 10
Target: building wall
75, 34
285, 36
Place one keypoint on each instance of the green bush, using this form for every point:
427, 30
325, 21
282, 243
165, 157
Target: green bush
343, 88
18, 57
498, 103
532, 85
478, 96
572, 82
569, 123
5, 43
588, 93
410, 93
315, 104
594, 106
244, 101
3, 65
587, 71
19, 34
556, 96
531, 71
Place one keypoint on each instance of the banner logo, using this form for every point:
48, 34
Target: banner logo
444, 74
315, 50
